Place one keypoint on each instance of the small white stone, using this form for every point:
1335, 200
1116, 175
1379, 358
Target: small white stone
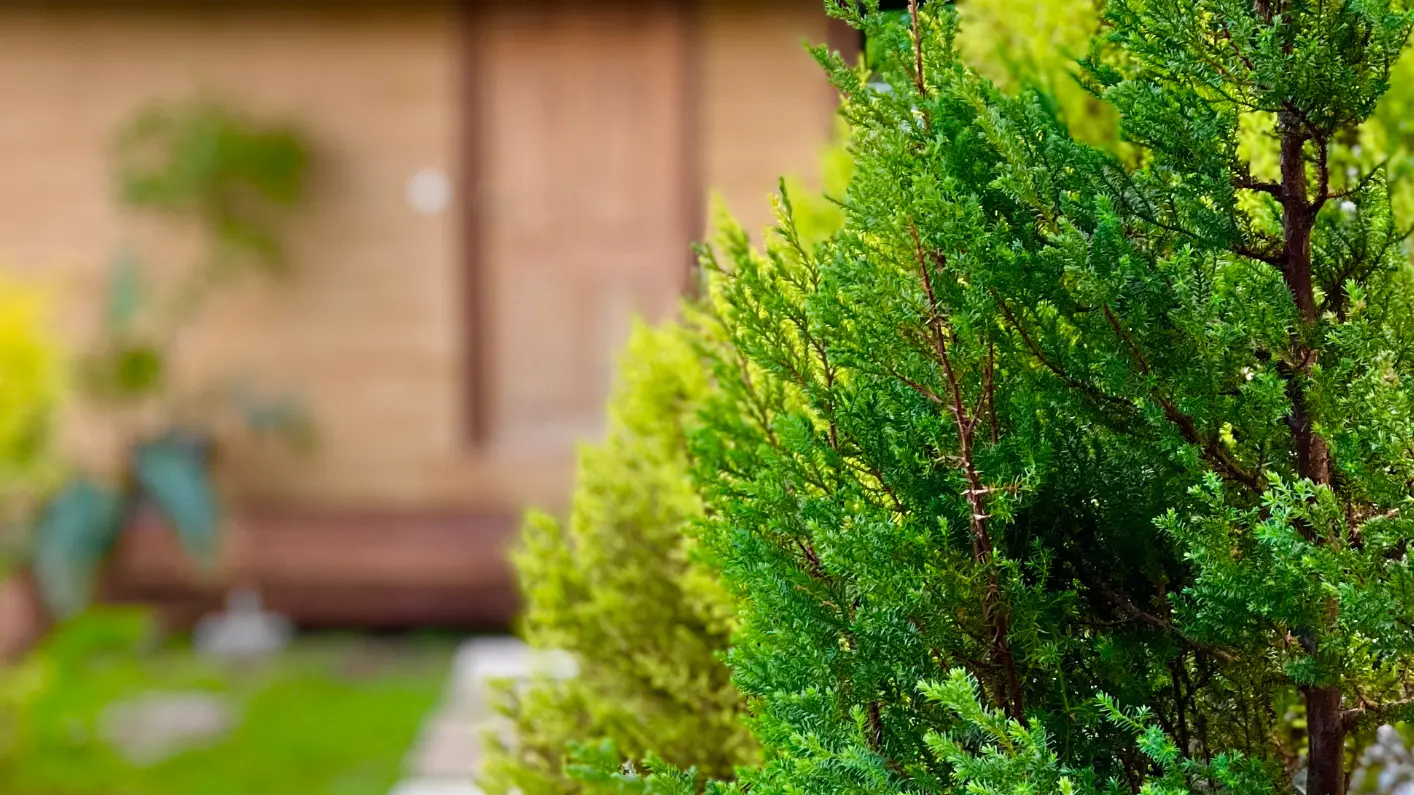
244, 630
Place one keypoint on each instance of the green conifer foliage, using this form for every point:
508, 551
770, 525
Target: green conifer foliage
1053, 473
615, 587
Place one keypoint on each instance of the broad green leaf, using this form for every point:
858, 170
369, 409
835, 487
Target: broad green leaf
175, 477
74, 532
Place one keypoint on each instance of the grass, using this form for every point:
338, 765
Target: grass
331, 716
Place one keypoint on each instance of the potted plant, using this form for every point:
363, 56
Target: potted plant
232, 179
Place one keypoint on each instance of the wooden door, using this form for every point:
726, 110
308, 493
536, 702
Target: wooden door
582, 209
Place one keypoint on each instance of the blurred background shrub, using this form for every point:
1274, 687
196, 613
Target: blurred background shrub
30, 395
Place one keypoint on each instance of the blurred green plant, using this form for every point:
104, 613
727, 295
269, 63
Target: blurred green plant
317, 719
233, 180
30, 394
205, 163
1035, 45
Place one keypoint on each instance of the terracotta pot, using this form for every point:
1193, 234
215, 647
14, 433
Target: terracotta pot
23, 619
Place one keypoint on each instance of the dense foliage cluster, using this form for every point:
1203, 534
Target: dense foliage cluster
1057, 472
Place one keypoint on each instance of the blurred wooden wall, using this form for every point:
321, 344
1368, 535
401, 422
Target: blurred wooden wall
451, 360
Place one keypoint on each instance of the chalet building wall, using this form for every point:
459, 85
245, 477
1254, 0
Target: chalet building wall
371, 328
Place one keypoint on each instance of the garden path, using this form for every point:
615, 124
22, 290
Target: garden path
447, 756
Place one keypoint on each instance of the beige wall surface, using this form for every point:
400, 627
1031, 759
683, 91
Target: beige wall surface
766, 108
370, 327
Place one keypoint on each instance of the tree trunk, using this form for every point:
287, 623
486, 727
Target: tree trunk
1325, 749
1325, 772
1297, 218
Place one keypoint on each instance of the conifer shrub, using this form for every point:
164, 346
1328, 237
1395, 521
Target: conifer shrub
31, 393
1057, 472
618, 585
615, 586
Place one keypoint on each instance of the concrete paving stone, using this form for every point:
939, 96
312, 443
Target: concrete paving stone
447, 756
436, 786
484, 659
448, 749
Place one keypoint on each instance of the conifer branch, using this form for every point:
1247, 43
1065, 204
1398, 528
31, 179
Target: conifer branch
876, 740
1351, 717
1128, 341
932, 397
1246, 182
1040, 356
994, 613
878, 476
1270, 257
1137, 613
1210, 448
812, 560
1363, 183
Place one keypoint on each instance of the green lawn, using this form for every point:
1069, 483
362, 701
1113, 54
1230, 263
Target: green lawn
331, 716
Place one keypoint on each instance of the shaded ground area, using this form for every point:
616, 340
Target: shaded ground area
102, 708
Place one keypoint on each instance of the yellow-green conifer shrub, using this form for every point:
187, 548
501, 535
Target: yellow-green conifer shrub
30, 390
616, 587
